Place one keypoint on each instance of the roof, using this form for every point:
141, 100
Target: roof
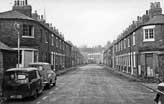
159, 19
4, 47
21, 69
13, 15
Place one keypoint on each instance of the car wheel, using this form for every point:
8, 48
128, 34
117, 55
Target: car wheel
159, 102
49, 85
35, 94
54, 84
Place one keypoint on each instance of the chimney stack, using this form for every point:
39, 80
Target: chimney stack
155, 9
22, 7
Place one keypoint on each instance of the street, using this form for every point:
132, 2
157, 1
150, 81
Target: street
92, 84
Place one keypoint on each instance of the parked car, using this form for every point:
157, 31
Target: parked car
48, 74
22, 82
159, 99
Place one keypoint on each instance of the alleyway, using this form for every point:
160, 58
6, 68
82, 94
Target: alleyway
93, 84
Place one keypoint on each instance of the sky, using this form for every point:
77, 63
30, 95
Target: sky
88, 22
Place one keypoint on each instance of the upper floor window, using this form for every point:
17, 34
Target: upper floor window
28, 31
148, 33
46, 37
57, 45
129, 42
134, 39
52, 40
124, 43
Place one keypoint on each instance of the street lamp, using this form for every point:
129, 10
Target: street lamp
17, 27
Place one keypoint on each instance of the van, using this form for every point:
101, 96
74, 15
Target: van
47, 72
22, 82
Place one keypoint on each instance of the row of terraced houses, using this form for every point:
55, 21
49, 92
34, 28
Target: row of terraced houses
39, 41
139, 50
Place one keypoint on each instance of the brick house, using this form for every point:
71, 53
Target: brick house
139, 50
39, 41
8, 60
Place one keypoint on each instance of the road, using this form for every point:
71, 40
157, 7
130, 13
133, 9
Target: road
93, 84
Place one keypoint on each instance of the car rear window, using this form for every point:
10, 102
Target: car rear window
18, 77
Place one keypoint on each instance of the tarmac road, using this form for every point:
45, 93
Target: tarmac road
93, 84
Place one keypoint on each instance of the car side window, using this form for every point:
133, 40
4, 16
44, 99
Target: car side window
38, 74
33, 75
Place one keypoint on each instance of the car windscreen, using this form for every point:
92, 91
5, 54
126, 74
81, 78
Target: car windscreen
40, 67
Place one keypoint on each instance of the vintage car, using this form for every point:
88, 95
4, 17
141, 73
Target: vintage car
22, 82
47, 72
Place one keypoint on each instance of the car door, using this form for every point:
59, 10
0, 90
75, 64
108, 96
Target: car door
33, 80
39, 82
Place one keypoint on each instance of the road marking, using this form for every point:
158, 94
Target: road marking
44, 98
38, 102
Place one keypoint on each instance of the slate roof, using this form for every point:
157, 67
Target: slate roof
159, 19
4, 47
13, 15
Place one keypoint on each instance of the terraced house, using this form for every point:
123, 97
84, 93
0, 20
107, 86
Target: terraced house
39, 41
139, 50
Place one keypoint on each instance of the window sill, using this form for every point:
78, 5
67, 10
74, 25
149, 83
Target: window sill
27, 36
148, 40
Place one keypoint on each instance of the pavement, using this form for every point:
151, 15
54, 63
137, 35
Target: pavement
150, 85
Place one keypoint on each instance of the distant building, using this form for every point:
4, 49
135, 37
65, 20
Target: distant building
93, 55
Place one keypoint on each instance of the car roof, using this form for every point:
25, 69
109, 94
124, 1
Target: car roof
39, 63
22, 69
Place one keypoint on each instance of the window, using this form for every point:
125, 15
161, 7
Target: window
125, 43
128, 42
63, 45
32, 75
46, 37
148, 33
52, 40
28, 30
134, 58
57, 42
41, 35
134, 39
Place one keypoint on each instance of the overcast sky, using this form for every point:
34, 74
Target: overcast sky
88, 22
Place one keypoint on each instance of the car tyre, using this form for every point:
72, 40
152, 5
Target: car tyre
54, 84
35, 94
49, 85
159, 102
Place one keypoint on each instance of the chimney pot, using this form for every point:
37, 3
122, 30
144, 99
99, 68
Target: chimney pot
138, 18
18, 3
147, 12
15, 3
23, 3
26, 2
35, 11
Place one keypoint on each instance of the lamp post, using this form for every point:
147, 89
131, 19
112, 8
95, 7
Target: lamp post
17, 27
